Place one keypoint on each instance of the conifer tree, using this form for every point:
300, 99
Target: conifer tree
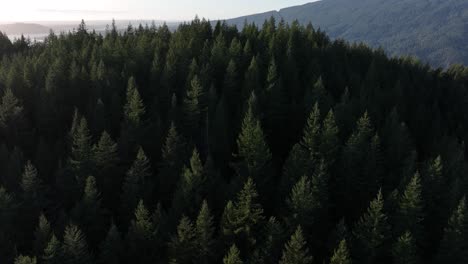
454, 244
404, 250
311, 138
204, 237
134, 109
183, 245
141, 235
252, 145
410, 214
111, 249
233, 256
25, 260
241, 219
173, 154
301, 203
53, 253
42, 235
371, 232
296, 251
75, 248
191, 186
294, 167
81, 150
329, 144
136, 184
341, 254
105, 159
10, 109
193, 108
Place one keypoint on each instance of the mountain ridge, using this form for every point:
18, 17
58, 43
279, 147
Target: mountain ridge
433, 30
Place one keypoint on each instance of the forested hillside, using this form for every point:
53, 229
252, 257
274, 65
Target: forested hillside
214, 145
434, 31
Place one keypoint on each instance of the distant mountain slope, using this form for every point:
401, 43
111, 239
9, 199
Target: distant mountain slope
434, 30
23, 28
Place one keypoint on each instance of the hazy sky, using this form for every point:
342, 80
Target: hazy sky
48, 10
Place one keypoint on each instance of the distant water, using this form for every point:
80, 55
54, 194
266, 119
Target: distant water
34, 37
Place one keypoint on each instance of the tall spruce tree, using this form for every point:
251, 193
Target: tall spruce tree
404, 250
75, 247
233, 256
296, 251
371, 232
341, 254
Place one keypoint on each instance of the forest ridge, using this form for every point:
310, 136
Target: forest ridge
210, 144
433, 31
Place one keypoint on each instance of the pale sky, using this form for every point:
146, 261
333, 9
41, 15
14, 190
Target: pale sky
53, 10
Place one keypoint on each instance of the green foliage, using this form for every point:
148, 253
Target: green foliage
296, 251
341, 254
404, 250
75, 248
371, 232
252, 145
25, 260
233, 256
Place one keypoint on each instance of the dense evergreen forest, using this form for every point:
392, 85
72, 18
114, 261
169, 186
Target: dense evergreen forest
210, 144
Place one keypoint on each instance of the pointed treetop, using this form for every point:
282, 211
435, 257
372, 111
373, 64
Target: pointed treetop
296, 250
233, 256
341, 254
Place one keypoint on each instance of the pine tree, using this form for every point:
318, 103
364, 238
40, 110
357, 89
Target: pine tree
183, 245
341, 254
404, 250
42, 235
25, 260
105, 159
294, 167
81, 151
75, 248
371, 232
53, 253
173, 155
252, 145
301, 203
311, 138
112, 248
141, 235
241, 219
88, 212
411, 211
233, 256
296, 251
191, 187
134, 108
137, 183
329, 145
10, 109
204, 234
454, 244
193, 108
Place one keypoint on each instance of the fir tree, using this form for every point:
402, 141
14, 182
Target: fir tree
242, 218
410, 215
204, 234
233, 256
42, 235
371, 232
25, 260
81, 150
404, 250
75, 248
111, 249
252, 145
341, 254
141, 235
454, 244
296, 251
183, 245
134, 109
136, 183
53, 253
